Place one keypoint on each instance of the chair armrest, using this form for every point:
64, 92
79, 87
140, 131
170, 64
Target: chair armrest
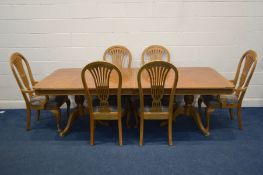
34, 83
27, 90
43, 103
240, 90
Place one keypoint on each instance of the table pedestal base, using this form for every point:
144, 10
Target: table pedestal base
78, 111
189, 110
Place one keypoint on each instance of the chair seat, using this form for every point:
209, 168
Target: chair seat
97, 108
149, 109
224, 99
110, 113
150, 114
53, 102
110, 109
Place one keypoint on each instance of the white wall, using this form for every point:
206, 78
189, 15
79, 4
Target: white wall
70, 33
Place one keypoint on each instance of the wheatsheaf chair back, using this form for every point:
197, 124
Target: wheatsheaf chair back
101, 72
157, 72
119, 56
23, 75
155, 52
245, 70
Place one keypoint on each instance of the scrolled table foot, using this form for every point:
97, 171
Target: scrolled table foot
198, 121
207, 134
71, 119
61, 134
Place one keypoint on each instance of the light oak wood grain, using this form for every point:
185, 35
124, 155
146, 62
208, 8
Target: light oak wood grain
192, 80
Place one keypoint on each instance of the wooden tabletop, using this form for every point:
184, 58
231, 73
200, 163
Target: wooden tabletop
192, 80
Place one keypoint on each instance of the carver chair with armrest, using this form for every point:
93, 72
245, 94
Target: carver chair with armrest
25, 80
156, 72
155, 52
101, 72
245, 70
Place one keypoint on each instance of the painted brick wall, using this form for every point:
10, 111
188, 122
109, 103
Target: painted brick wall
71, 33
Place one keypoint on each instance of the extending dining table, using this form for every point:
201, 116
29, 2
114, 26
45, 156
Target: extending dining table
192, 81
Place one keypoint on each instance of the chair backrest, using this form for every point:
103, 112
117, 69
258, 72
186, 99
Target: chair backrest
119, 56
101, 72
245, 70
155, 52
157, 72
23, 75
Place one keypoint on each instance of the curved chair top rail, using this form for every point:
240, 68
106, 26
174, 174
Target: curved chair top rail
23, 74
155, 52
119, 55
245, 70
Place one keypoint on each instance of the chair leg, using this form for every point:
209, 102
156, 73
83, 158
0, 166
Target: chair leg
200, 101
239, 118
57, 114
37, 115
28, 118
92, 122
68, 107
170, 127
207, 116
231, 112
141, 130
120, 131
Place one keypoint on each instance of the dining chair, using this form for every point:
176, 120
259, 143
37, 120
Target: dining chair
121, 57
158, 52
102, 72
156, 72
155, 52
25, 80
245, 70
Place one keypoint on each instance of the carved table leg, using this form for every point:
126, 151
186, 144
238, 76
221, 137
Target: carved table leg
190, 110
79, 110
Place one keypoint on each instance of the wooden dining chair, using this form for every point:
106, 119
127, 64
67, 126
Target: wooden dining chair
155, 52
245, 70
157, 72
101, 72
158, 52
119, 55
25, 80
